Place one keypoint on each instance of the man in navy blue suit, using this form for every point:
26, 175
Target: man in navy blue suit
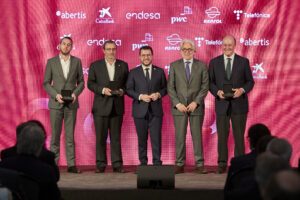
232, 71
146, 85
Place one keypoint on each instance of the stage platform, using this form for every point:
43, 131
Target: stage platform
112, 186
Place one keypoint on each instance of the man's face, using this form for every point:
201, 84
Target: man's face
110, 51
146, 57
65, 46
228, 46
187, 51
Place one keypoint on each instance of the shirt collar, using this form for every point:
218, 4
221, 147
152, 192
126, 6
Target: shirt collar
149, 66
191, 60
232, 56
61, 58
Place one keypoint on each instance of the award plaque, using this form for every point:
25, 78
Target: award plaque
227, 89
67, 96
114, 86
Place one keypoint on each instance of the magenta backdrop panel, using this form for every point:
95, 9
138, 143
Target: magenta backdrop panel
267, 33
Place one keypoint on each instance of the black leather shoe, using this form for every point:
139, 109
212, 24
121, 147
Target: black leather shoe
100, 170
178, 169
221, 169
74, 170
118, 170
200, 170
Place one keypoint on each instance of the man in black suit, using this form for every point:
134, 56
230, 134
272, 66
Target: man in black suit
240, 182
232, 71
107, 79
146, 85
46, 156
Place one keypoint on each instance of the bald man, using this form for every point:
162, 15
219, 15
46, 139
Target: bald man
230, 82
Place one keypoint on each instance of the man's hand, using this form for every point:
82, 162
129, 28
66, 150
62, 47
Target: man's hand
192, 107
107, 91
181, 108
59, 98
238, 92
221, 94
146, 98
74, 97
155, 96
121, 92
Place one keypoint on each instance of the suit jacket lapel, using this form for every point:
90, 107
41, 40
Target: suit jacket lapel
222, 65
235, 66
59, 68
71, 69
194, 70
181, 69
117, 70
104, 70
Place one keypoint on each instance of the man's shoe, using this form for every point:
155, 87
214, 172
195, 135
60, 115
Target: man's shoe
200, 170
178, 169
100, 170
118, 170
74, 170
221, 169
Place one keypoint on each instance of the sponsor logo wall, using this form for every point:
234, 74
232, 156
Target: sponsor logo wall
262, 29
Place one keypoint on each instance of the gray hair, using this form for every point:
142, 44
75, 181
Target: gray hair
31, 140
281, 147
191, 42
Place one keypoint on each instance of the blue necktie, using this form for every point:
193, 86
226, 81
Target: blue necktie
187, 70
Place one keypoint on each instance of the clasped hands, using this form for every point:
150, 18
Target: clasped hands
237, 93
108, 91
152, 97
59, 98
187, 109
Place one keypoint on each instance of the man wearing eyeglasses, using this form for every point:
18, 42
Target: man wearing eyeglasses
107, 78
187, 87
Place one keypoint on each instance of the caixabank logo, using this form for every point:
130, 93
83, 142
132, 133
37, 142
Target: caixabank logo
258, 71
105, 16
67, 15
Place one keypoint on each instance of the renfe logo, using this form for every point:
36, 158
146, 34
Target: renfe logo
142, 15
70, 15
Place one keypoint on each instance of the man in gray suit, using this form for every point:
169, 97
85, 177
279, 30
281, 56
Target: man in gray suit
187, 87
64, 74
230, 69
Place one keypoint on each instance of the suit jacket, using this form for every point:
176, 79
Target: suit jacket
241, 77
46, 156
137, 85
182, 91
98, 79
54, 81
36, 169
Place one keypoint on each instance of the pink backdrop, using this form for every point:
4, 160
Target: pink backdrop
267, 33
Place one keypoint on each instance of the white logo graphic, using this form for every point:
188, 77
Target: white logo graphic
100, 42
238, 14
71, 15
173, 40
207, 42
253, 42
212, 13
187, 11
105, 17
104, 11
148, 38
142, 15
85, 71
259, 72
182, 18
167, 67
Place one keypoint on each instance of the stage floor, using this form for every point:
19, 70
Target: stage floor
109, 185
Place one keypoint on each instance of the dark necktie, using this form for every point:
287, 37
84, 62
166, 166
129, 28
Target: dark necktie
147, 74
187, 70
228, 68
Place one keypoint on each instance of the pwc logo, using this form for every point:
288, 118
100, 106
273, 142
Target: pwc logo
71, 15
145, 42
183, 17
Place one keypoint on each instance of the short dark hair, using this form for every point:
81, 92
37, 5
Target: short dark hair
108, 42
146, 48
66, 37
256, 132
21, 126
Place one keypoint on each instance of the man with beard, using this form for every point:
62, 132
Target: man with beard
107, 78
64, 75
146, 85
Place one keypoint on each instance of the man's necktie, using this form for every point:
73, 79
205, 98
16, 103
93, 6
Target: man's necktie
147, 74
228, 68
187, 70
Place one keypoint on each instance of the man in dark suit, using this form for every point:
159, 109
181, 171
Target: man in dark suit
64, 74
187, 88
46, 156
232, 71
107, 79
146, 85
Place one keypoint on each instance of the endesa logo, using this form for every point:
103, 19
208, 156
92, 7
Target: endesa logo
255, 42
71, 15
100, 42
142, 15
